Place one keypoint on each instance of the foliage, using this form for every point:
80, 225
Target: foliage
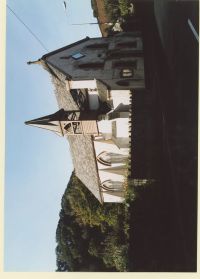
94, 8
123, 6
90, 236
95, 237
114, 8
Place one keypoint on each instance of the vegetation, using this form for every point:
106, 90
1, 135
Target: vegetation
94, 8
115, 237
123, 6
91, 236
114, 8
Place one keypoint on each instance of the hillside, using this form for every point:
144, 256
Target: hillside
89, 236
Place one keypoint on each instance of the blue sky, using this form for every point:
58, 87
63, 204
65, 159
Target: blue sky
38, 163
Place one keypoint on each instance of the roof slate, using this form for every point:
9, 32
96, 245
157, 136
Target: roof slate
84, 161
65, 47
81, 146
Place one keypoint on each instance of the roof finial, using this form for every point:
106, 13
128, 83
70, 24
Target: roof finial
34, 62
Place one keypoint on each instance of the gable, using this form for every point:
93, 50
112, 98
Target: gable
77, 59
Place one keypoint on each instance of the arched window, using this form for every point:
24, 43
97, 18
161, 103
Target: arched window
104, 158
111, 185
108, 158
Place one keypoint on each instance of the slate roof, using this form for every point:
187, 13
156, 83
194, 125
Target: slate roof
81, 146
84, 162
65, 47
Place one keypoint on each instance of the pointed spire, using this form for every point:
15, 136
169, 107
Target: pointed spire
50, 122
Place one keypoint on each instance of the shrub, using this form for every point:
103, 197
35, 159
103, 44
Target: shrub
123, 6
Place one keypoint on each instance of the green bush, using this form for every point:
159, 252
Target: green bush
123, 6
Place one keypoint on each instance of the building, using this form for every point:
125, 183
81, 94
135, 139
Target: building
93, 81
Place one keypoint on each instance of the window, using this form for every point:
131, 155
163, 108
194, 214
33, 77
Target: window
77, 55
110, 185
128, 44
103, 45
123, 82
107, 185
127, 72
126, 64
108, 158
77, 127
73, 128
104, 158
116, 53
92, 65
68, 128
80, 97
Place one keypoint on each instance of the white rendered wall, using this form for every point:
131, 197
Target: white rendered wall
122, 128
110, 147
120, 97
108, 197
121, 131
80, 84
104, 175
105, 128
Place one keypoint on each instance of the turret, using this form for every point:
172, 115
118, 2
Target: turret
68, 123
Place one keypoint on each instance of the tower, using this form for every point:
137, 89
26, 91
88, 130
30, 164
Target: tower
72, 122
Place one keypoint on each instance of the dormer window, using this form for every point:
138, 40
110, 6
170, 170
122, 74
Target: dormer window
77, 55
